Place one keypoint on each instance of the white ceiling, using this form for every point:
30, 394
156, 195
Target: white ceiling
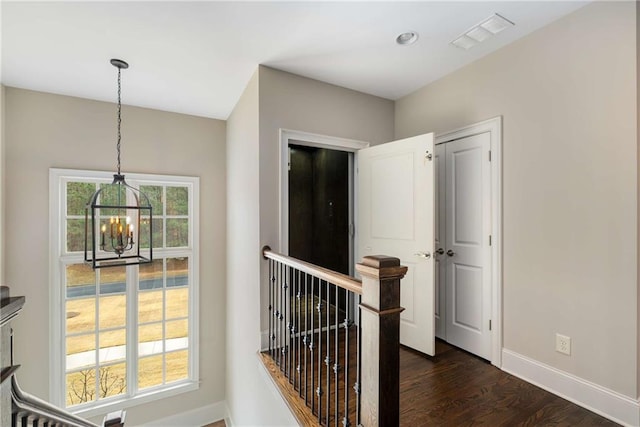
197, 57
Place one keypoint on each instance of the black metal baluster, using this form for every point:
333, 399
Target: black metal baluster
270, 305
280, 319
294, 310
287, 323
299, 331
347, 326
305, 340
311, 345
292, 327
359, 350
336, 365
327, 359
274, 299
319, 390
291, 335
283, 320
276, 310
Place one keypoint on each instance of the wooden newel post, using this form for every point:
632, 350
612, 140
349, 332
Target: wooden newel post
380, 352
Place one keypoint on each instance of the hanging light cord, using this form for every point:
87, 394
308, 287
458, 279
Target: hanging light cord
119, 119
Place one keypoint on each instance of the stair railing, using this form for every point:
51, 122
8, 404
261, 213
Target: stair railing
336, 340
17, 407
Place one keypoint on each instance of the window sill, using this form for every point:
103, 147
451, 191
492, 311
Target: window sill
104, 408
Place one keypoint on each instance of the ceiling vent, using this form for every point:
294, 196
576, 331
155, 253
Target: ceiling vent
482, 31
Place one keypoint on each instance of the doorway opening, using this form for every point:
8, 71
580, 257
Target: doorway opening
306, 149
469, 239
320, 206
317, 204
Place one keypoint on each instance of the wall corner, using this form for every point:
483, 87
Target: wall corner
2, 177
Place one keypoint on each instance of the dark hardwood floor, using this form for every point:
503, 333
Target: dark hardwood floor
455, 388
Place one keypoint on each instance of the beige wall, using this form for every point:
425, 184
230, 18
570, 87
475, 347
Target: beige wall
638, 197
2, 180
249, 399
288, 101
273, 100
567, 95
44, 131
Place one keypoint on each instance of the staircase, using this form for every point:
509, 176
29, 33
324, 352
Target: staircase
18, 408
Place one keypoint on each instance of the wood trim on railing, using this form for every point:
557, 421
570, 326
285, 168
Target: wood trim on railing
380, 351
342, 280
7, 372
9, 306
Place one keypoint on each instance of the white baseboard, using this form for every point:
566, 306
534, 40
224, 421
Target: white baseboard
194, 418
227, 419
264, 340
610, 404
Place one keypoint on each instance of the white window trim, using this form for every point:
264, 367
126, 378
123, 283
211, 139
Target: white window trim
57, 362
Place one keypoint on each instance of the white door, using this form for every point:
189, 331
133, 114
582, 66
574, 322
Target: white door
467, 250
396, 218
440, 232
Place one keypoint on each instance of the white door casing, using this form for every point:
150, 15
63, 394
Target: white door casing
396, 217
492, 127
468, 254
289, 136
439, 256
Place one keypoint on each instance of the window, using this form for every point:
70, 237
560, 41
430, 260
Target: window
123, 333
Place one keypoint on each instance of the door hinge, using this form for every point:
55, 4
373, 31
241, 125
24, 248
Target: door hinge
352, 230
489, 324
289, 159
489, 155
489, 239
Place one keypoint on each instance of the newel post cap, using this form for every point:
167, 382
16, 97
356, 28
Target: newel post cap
381, 267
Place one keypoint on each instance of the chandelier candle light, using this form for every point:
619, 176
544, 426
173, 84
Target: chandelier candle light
114, 209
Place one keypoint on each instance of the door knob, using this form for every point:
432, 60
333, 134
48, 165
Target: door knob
440, 251
450, 252
423, 254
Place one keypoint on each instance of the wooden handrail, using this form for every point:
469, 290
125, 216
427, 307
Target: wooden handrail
25, 403
342, 280
17, 407
9, 306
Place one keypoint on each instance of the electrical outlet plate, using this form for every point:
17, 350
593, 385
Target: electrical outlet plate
563, 344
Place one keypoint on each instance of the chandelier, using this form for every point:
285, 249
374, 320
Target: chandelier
117, 216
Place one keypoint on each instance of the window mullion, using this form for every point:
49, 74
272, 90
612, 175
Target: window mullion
164, 320
132, 277
164, 216
194, 296
132, 330
96, 366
